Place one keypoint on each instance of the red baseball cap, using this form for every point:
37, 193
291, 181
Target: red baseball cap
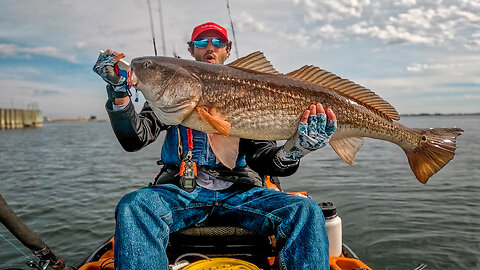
209, 26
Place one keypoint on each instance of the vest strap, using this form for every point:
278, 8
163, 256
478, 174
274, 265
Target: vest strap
188, 167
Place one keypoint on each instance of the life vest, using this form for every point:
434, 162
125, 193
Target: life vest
172, 151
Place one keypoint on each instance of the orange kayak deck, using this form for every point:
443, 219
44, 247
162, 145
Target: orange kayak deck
105, 262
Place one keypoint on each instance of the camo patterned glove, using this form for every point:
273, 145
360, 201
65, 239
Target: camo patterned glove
310, 136
104, 67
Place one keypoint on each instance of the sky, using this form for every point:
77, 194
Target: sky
420, 56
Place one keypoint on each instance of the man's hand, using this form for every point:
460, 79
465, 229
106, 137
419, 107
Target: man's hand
105, 68
314, 131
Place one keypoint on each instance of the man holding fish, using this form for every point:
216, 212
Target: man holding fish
201, 178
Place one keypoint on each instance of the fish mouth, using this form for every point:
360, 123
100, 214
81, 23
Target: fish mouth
132, 79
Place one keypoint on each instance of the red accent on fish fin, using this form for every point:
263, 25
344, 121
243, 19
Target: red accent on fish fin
436, 149
225, 148
215, 120
347, 148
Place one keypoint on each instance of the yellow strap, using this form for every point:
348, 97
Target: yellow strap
180, 146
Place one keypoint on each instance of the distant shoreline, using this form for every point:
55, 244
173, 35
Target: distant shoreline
440, 114
81, 120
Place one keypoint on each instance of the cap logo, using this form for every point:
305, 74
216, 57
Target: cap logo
209, 26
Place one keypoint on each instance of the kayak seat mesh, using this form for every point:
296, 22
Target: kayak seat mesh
216, 240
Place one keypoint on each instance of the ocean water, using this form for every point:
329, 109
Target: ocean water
65, 179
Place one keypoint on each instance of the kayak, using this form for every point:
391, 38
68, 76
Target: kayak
213, 245
209, 245
238, 249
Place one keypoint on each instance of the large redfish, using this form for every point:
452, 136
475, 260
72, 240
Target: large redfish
249, 99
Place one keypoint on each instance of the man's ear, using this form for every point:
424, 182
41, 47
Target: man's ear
229, 48
190, 50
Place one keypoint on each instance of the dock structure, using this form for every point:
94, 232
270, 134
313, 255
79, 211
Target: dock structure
19, 118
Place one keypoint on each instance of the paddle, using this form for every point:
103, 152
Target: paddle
29, 238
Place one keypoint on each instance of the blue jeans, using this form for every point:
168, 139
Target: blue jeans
147, 216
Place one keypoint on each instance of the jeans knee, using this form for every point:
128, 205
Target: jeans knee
135, 203
312, 210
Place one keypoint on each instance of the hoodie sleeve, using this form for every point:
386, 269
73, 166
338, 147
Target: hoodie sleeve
134, 130
261, 156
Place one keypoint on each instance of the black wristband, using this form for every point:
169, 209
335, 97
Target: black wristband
112, 94
283, 164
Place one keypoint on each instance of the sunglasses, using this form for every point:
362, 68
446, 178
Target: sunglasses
217, 43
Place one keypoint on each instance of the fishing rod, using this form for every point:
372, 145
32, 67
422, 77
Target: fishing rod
30, 240
161, 28
233, 30
151, 26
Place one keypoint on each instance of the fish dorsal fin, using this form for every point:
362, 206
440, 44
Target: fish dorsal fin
346, 87
347, 148
255, 61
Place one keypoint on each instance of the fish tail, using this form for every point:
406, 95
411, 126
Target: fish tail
436, 149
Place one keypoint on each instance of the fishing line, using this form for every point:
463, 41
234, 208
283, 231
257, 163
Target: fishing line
161, 28
151, 26
153, 33
19, 250
233, 30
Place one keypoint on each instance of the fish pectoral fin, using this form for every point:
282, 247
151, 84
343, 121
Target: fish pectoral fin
215, 120
225, 148
347, 148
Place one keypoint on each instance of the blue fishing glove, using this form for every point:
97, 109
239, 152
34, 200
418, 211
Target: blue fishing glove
309, 137
105, 68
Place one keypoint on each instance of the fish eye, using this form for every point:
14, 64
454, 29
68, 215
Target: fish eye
147, 64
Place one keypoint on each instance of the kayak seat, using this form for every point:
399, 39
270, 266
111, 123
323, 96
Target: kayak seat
214, 238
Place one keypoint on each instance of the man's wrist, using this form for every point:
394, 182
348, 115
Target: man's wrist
121, 101
282, 162
117, 92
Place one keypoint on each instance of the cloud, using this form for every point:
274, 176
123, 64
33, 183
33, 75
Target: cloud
473, 43
328, 31
458, 66
247, 21
421, 94
390, 34
331, 10
45, 92
54, 101
426, 67
82, 45
463, 85
405, 47
13, 50
402, 22
405, 3
301, 37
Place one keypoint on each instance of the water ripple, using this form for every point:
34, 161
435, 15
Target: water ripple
65, 179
